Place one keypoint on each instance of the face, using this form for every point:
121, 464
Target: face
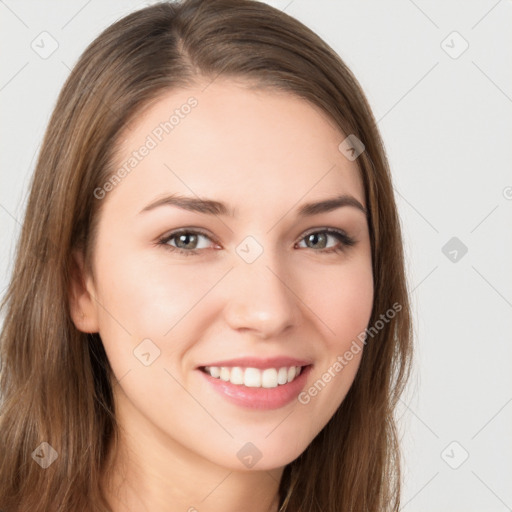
253, 280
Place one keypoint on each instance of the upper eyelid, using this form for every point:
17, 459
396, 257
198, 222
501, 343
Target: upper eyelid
195, 231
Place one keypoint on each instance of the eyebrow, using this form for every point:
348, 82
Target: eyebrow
211, 207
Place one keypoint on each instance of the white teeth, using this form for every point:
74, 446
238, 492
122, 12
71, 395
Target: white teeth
214, 371
224, 374
237, 375
282, 375
269, 378
254, 377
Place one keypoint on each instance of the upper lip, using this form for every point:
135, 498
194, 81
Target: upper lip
262, 363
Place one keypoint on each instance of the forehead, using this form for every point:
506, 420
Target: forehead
227, 141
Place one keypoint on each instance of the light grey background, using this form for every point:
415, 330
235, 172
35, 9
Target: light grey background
447, 125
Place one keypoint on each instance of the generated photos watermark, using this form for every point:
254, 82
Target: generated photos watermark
343, 360
156, 136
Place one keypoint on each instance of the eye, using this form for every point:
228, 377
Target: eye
319, 239
187, 241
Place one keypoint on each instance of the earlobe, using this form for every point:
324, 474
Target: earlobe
82, 303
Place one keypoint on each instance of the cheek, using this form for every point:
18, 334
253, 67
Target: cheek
352, 310
148, 298
342, 300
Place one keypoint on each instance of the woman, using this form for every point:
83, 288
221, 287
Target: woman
208, 309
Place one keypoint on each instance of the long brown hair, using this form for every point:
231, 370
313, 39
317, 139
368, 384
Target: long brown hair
56, 382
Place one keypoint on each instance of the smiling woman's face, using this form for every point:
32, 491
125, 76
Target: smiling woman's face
260, 280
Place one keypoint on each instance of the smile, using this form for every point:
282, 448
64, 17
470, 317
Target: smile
254, 377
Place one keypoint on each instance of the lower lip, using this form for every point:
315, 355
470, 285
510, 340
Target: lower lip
259, 398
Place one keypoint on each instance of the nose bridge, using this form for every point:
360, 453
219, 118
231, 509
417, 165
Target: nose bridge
259, 297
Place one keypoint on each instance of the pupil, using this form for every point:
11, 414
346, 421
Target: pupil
181, 237
316, 236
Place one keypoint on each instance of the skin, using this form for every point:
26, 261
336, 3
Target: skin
265, 154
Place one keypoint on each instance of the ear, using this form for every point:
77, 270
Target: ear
82, 303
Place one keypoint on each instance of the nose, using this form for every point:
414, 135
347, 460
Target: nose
261, 299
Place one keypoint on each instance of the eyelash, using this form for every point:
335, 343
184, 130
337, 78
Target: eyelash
346, 241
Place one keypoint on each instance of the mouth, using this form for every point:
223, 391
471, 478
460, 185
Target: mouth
255, 377
262, 389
